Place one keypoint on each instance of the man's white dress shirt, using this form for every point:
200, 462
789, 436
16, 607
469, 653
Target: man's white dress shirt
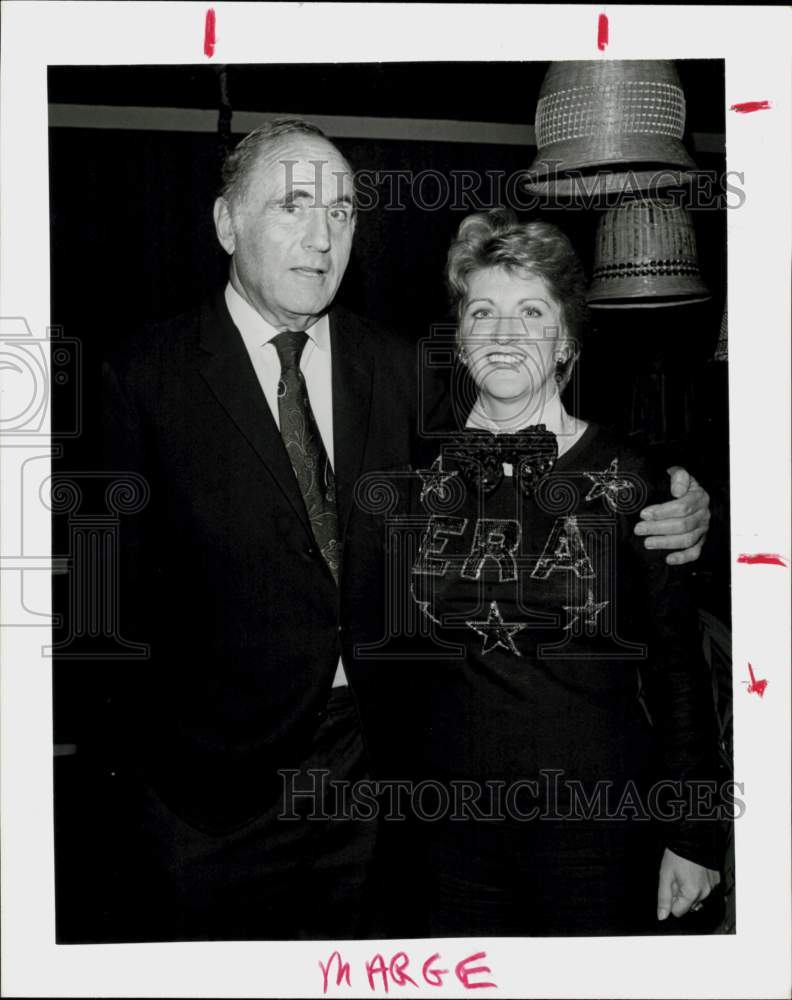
315, 364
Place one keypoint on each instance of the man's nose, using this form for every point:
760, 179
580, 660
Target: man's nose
317, 231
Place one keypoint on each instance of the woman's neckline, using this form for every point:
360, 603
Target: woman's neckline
554, 417
583, 441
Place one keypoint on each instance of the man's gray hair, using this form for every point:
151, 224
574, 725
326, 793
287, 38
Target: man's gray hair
241, 159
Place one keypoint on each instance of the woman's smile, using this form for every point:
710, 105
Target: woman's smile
502, 359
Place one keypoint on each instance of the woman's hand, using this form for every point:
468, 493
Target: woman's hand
679, 524
683, 885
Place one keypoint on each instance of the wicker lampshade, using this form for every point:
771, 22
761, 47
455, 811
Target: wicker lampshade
645, 256
722, 347
594, 116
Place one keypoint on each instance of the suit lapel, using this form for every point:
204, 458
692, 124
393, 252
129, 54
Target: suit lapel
353, 370
227, 370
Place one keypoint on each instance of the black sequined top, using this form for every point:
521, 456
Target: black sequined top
553, 639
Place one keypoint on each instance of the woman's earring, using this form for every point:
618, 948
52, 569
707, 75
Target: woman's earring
560, 367
463, 356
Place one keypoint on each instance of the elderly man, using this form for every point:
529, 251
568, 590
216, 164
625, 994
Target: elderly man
252, 418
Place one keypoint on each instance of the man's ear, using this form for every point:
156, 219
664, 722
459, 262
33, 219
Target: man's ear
224, 227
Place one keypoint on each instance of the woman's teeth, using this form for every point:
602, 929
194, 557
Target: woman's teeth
504, 359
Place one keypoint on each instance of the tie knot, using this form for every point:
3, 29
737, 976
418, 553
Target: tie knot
289, 346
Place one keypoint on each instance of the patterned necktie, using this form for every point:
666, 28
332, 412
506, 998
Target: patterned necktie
304, 444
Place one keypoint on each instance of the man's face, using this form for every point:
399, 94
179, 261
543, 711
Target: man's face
290, 230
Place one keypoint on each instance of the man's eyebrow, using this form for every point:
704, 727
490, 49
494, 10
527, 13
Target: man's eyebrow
345, 199
294, 195
299, 194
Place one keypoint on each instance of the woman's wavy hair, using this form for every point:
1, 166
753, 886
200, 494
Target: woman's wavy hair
497, 239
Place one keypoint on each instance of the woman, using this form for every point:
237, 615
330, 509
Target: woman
563, 680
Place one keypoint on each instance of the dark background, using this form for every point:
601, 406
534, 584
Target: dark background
132, 240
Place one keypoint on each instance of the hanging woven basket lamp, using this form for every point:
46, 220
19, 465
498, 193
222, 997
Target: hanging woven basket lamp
645, 256
608, 125
722, 347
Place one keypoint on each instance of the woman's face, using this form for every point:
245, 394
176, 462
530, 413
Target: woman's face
509, 331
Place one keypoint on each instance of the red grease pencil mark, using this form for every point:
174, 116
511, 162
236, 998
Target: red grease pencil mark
748, 106
463, 973
755, 687
761, 558
602, 32
209, 33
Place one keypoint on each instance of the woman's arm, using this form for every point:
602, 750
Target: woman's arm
683, 885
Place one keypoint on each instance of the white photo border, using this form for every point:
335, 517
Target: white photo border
755, 42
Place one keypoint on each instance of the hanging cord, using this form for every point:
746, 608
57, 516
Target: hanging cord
225, 113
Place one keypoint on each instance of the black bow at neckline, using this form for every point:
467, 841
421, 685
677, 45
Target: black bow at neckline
480, 455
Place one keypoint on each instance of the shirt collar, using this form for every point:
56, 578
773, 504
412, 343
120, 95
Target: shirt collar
256, 331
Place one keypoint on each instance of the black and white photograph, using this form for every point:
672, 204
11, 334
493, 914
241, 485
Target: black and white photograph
401, 528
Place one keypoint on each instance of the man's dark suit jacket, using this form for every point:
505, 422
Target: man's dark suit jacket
220, 573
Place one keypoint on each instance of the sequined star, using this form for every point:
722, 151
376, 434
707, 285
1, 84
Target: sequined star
589, 610
496, 631
607, 484
434, 479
